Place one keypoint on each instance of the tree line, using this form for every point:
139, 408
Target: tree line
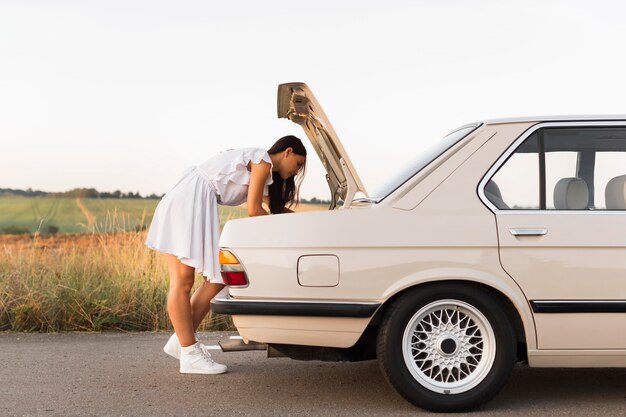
93, 193
76, 192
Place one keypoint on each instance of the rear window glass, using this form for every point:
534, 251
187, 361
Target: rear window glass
423, 159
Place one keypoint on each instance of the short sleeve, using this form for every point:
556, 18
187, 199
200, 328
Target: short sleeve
235, 165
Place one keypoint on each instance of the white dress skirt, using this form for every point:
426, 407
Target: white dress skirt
186, 224
186, 220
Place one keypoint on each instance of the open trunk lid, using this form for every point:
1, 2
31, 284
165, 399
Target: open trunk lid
297, 103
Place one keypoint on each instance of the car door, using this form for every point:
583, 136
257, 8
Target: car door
558, 198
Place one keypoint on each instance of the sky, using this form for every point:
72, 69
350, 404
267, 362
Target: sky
124, 95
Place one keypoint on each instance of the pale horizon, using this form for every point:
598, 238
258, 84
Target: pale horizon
125, 95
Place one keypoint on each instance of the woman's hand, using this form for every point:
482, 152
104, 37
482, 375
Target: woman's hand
258, 175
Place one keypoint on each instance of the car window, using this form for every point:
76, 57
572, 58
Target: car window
516, 184
424, 158
559, 165
610, 167
582, 168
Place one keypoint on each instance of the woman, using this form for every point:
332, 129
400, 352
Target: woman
185, 227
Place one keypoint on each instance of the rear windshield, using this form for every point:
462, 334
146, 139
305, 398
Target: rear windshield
423, 159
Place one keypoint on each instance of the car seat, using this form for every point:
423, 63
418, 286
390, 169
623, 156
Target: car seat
571, 193
615, 193
492, 192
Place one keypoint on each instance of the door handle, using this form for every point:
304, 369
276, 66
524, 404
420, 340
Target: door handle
529, 232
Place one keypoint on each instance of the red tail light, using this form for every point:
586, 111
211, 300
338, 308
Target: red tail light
234, 278
231, 269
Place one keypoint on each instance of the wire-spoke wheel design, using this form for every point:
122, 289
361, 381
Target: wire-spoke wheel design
448, 346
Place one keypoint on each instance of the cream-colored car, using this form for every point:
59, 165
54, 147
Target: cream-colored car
505, 243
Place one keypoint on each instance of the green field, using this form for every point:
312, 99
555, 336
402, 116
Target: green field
30, 214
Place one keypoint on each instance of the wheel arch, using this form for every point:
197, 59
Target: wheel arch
520, 331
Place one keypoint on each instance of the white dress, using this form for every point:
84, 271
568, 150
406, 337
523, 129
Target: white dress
186, 222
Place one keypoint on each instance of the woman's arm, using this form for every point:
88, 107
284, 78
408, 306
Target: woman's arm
258, 175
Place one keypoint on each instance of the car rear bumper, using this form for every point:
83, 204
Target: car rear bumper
224, 304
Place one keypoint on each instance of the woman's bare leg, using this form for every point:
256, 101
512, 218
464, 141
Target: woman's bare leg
201, 301
178, 303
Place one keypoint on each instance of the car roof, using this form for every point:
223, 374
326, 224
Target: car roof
565, 118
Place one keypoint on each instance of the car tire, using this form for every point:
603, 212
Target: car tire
447, 347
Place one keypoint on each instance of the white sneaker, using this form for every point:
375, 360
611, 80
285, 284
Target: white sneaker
172, 347
196, 360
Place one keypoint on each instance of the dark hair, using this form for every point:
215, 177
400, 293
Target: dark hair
285, 192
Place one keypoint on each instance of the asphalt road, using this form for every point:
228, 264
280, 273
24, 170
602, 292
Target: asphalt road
127, 374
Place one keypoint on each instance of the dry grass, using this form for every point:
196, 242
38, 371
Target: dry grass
98, 281
103, 280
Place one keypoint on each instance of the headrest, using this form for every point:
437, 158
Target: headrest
571, 194
492, 192
615, 193
493, 189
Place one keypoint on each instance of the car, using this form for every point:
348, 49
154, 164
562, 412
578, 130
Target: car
504, 243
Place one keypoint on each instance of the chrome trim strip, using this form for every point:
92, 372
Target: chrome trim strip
578, 306
557, 118
502, 159
560, 212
